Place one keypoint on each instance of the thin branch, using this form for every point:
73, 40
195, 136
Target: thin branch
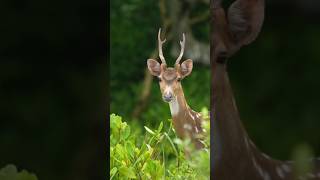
200, 18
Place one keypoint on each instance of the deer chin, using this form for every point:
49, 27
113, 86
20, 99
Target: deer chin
174, 106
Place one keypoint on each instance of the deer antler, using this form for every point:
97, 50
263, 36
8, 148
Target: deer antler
182, 43
160, 47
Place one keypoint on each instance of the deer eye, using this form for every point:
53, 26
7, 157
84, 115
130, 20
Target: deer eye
159, 78
179, 79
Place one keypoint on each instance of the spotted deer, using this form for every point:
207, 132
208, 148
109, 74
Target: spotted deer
234, 155
186, 122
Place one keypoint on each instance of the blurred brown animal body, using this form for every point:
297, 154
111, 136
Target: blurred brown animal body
186, 122
235, 157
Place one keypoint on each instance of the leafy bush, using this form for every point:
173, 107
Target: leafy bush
157, 154
10, 172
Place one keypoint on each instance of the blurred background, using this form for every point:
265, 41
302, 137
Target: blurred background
53, 88
275, 79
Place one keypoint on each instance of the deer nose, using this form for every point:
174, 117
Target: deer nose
167, 97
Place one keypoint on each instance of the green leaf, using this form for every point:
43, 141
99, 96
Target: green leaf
123, 125
127, 172
150, 149
24, 175
205, 112
149, 130
115, 121
150, 167
160, 127
130, 149
159, 169
113, 172
113, 140
9, 169
171, 143
120, 151
147, 155
126, 132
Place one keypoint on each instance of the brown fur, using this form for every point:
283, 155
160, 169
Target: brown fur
169, 74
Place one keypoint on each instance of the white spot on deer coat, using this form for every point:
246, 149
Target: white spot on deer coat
311, 175
190, 114
301, 178
280, 172
266, 176
265, 156
198, 115
285, 168
246, 141
197, 131
262, 173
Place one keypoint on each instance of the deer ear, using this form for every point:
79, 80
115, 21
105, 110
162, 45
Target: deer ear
186, 68
245, 19
154, 67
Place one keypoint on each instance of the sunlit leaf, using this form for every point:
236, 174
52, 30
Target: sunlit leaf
113, 171
126, 132
149, 130
127, 172
160, 127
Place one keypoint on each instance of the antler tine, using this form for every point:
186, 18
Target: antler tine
160, 47
182, 43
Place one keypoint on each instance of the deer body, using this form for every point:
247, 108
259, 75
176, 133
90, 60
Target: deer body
186, 122
235, 157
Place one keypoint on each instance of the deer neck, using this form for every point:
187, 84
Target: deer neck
229, 134
232, 148
178, 104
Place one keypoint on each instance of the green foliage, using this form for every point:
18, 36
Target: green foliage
157, 154
10, 172
301, 156
130, 40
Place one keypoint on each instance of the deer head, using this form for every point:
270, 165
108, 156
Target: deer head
240, 27
170, 77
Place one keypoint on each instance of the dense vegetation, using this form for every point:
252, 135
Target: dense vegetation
156, 154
